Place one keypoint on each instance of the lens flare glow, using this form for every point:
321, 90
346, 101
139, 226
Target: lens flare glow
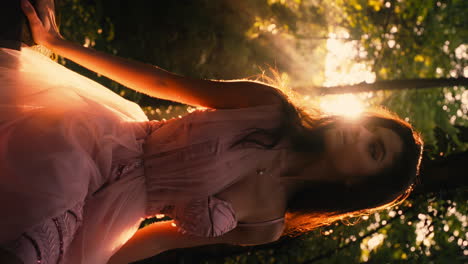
341, 68
347, 105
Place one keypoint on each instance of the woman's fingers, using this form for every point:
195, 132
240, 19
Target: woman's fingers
39, 32
44, 31
30, 13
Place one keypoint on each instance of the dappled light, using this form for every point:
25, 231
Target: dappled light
340, 69
341, 66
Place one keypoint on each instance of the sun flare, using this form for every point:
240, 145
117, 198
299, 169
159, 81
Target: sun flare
347, 105
341, 69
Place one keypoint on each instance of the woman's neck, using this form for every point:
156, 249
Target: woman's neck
303, 169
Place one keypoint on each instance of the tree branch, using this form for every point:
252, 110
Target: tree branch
384, 85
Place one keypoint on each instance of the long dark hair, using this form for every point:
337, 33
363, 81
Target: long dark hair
321, 203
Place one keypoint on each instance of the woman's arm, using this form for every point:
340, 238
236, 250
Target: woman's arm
149, 79
162, 236
156, 82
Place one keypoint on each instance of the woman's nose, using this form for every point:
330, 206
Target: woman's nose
351, 134
357, 133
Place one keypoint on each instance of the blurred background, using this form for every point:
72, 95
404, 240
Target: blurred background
316, 47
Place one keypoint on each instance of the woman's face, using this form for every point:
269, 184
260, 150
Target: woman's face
357, 150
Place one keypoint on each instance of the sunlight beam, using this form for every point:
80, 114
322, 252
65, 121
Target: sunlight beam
341, 69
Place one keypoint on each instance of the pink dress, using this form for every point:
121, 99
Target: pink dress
80, 166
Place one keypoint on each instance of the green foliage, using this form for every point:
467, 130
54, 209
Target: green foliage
429, 110
415, 39
422, 230
202, 39
84, 22
409, 39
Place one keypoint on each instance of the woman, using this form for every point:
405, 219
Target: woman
81, 166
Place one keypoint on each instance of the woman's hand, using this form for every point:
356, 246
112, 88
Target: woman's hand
42, 23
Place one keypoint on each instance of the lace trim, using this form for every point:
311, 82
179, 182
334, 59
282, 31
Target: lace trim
190, 218
47, 242
36, 247
207, 217
60, 234
119, 170
123, 168
210, 216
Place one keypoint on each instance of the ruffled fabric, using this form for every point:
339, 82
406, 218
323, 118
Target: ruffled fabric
84, 143
67, 128
110, 217
65, 140
189, 160
191, 157
207, 217
49, 241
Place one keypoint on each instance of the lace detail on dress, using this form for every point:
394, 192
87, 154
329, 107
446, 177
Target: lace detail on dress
119, 170
47, 242
207, 217
122, 169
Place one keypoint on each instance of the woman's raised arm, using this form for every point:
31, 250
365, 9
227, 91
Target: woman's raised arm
149, 79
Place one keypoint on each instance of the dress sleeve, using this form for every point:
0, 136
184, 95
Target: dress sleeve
207, 217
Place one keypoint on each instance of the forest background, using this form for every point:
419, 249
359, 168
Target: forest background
312, 45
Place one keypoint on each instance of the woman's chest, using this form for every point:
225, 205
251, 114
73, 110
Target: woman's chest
258, 195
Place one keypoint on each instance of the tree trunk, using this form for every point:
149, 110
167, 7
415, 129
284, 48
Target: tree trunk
443, 174
385, 85
361, 87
